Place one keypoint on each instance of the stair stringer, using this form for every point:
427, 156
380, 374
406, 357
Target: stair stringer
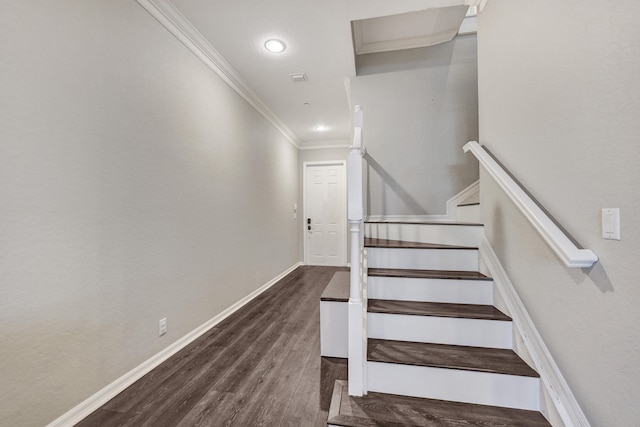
557, 402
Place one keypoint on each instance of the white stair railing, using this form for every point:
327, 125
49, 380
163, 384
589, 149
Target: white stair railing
562, 245
357, 301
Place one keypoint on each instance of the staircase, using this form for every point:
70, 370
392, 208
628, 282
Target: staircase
438, 351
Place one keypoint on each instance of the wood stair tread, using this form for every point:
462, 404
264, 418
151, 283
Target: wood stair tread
439, 309
427, 274
401, 244
474, 224
338, 288
480, 359
379, 409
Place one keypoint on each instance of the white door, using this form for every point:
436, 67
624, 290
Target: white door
325, 219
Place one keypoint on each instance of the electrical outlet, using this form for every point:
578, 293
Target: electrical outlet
162, 327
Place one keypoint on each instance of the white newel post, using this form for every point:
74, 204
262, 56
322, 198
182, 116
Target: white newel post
357, 336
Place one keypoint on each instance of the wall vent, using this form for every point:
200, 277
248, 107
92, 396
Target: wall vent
298, 77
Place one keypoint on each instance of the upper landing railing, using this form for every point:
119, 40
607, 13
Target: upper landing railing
562, 245
355, 214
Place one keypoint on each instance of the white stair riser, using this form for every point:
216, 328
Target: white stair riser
433, 290
423, 259
460, 235
453, 384
470, 213
440, 330
334, 333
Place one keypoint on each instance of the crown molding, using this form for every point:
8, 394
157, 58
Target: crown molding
169, 17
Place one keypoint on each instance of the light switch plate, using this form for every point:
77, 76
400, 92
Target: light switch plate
162, 327
611, 223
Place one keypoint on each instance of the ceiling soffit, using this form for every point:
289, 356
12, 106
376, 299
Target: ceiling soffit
407, 30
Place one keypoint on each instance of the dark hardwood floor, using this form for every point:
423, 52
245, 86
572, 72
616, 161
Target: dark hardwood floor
427, 274
259, 367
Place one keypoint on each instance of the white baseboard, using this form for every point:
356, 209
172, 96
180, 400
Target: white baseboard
552, 380
88, 406
450, 216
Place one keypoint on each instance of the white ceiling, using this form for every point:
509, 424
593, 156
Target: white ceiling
319, 43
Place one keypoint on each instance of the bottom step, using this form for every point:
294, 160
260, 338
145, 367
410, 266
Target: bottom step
378, 409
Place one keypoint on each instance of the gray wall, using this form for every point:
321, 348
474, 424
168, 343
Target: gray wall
420, 108
134, 185
559, 106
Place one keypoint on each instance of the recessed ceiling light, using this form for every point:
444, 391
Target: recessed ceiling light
321, 128
275, 45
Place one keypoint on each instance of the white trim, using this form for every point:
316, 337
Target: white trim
565, 249
342, 163
357, 348
458, 385
450, 216
334, 337
185, 32
453, 259
437, 329
452, 203
444, 233
469, 26
480, 4
552, 379
88, 406
347, 88
408, 218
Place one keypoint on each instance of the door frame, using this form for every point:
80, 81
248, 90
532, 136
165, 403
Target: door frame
345, 227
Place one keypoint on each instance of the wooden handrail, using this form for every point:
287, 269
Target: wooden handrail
562, 245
